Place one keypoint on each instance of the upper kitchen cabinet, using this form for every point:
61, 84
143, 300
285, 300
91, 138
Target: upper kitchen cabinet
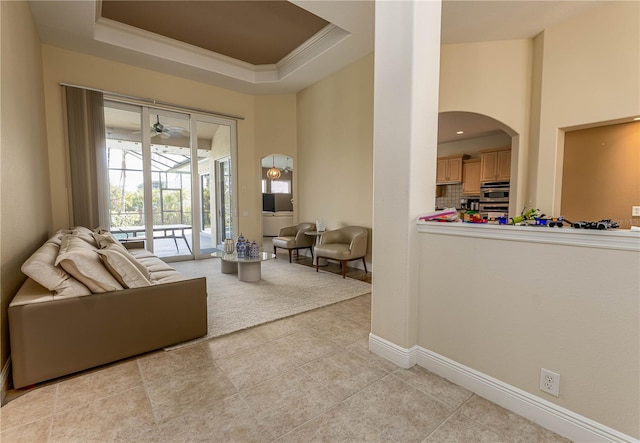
495, 165
449, 169
471, 177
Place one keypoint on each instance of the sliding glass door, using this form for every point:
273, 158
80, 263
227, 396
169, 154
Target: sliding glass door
157, 191
215, 139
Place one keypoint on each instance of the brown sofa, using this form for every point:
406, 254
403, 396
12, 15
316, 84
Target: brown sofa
67, 327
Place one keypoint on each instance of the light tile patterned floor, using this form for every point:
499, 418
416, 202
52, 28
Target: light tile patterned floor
305, 378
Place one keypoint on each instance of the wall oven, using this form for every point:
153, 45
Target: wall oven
494, 197
494, 192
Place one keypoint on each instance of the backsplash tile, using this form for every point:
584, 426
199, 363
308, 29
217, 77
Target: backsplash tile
451, 196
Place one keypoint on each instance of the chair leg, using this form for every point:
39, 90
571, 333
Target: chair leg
344, 268
317, 260
289, 255
311, 249
365, 265
274, 252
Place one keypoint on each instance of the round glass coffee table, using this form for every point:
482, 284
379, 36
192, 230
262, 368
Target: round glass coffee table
247, 268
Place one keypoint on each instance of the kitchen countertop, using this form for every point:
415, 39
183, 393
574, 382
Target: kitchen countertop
620, 239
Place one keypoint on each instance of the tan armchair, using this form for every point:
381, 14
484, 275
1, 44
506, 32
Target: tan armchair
344, 244
293, 238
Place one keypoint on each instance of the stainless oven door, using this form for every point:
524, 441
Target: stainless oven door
494, 207
494, 195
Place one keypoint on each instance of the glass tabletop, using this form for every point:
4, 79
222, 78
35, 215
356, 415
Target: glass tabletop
234, 257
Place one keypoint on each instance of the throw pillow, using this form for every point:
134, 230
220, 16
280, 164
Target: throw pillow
105, 239
122, 268
85, 234
82, 261
40, 267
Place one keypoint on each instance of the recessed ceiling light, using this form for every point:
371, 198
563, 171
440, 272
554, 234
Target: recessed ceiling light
460, 132
637, 118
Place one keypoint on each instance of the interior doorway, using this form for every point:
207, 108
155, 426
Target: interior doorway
277, 174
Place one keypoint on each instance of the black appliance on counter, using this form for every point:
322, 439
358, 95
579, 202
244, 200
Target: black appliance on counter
494, 197
470, 204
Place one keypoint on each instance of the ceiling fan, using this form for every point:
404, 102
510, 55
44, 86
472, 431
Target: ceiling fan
287, 169
166, 131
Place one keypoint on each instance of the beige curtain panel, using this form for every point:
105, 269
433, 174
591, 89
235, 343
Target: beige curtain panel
87, 154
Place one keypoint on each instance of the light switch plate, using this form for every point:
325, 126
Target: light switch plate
635, 211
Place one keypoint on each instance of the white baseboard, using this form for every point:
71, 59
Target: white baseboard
405, 358
4, 379
549, 415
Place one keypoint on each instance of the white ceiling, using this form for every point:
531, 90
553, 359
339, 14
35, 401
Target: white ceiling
76, 25
279, 161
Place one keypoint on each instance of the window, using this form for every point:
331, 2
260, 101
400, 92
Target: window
280, 186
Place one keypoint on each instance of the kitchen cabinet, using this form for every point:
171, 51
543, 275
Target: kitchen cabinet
449, 169
471, 177
495, 165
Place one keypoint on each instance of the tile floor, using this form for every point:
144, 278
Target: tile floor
305, 378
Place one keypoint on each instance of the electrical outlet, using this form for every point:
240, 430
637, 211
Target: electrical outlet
549, 382
635, 211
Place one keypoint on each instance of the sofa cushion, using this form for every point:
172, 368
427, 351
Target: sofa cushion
122, 267
168, 276
57, 237
154, 264
85, 234
82, 261
141, 253
41, 268
105, 239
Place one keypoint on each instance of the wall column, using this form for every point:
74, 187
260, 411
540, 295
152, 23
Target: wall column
406, 85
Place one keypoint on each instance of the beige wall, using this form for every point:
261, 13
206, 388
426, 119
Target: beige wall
26, 209
335, 148
568, 76
275, 133
590, 72
601, 176
508, 309
493, 79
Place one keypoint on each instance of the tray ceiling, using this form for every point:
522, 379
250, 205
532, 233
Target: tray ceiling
256, 32
240, 44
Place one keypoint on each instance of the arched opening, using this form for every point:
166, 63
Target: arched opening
477, 164
277, 193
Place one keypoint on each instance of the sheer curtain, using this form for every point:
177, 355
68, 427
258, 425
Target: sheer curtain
87, 156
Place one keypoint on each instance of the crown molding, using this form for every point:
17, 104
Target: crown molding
117, 34
322, 41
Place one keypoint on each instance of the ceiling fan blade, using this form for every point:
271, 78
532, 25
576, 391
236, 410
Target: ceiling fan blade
177, 130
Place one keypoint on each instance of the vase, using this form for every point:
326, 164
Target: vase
241, 247
229, 246
254, 250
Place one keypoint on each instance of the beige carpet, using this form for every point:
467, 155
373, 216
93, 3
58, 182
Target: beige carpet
285, 289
